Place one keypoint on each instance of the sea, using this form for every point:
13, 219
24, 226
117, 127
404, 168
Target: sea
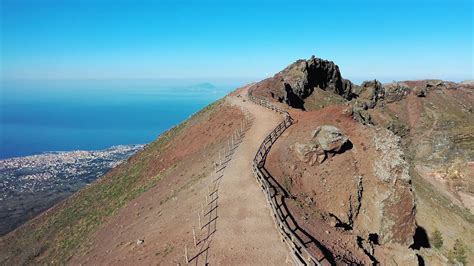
38, 116
57, 136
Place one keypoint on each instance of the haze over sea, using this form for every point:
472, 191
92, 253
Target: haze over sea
63, 115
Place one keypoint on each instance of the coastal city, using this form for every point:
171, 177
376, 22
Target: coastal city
31, 184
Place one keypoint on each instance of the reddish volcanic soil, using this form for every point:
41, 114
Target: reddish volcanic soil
327, 186
164, 216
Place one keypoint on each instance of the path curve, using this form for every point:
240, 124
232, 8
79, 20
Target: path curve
246, 233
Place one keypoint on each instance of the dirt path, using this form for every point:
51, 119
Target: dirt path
246, 233
415, 109
237, 228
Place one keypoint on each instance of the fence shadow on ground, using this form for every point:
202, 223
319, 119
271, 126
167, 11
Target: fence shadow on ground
208, 216
298, 240
281, 195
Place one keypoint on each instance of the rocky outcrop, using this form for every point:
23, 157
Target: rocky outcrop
370, 92
395, 218
326, 141
360, 113
364, 191
384, 196
299, 80
396, 91
367, 96
391, 164
420, 92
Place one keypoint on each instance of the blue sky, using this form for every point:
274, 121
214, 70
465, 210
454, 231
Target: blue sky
87, 39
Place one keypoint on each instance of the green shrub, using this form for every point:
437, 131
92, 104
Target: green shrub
287, 183
437, 239
458, 252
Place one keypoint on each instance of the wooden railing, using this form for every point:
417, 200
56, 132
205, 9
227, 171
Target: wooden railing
206, 222
299, 251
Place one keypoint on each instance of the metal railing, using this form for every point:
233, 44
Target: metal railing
299, 251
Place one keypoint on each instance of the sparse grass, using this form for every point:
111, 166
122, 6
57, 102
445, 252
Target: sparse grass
66, 229
427, 191
458, 252
437, 239
320, 99
85, 212
167, 249
299, 203
430, 204
287, 183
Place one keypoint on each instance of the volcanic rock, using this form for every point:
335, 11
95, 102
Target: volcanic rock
396, 91
420, 92
309, 153
299, 80
391, 164
370, 92
329, 138
360, 113
326, 140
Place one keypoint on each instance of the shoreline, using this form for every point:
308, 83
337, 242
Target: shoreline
32, 184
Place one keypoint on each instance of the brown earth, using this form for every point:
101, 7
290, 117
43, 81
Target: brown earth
359, 204
102, 222
323, 193
245, 233
434, 120
439, 145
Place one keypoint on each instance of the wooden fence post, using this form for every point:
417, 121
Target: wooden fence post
199, 218
186, 254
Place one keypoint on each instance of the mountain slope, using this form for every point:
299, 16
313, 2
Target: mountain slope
177, 159
358, 174
431, 124
237, 228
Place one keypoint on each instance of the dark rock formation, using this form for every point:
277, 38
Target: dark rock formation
370, 92
360, 113
298, 81
420, 92
396, 91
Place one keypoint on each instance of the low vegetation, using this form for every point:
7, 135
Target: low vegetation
458, 252
287, 184
437, 239
64, 230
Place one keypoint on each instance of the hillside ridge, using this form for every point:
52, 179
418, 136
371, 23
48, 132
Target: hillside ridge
355, 179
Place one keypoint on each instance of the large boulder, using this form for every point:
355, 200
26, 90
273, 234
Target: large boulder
309, 153
330, 138
325, 141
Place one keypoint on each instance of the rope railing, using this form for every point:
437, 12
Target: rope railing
301, 254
